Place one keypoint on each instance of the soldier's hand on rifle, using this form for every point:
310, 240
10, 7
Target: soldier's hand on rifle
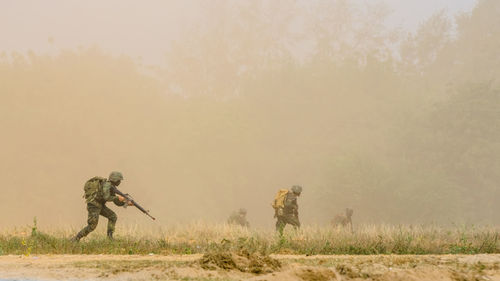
123, 199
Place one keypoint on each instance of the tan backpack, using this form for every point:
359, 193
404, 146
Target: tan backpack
93, 189
279, 199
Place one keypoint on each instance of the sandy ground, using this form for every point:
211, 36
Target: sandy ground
294, 268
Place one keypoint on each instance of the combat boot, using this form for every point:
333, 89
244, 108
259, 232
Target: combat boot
75, 238
110, 235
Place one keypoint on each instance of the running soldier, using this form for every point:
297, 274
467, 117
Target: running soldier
98, 191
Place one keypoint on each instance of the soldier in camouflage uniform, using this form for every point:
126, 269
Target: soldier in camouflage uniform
239, 218
289, 214
97, 206
344, 220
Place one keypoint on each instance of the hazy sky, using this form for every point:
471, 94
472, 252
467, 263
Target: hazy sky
142, 29
409, 13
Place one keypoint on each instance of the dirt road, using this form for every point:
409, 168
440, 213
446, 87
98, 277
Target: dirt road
294, 268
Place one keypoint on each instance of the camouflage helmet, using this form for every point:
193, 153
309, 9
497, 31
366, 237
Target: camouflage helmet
296, 189
242, 211
115, 176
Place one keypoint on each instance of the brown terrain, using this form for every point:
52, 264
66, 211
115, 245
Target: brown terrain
250, 267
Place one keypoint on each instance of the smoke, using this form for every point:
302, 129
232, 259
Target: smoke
237, 111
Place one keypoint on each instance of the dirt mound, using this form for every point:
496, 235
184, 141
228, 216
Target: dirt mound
297, 272
242, 261
315, 274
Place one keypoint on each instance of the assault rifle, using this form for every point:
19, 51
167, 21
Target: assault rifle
128, 199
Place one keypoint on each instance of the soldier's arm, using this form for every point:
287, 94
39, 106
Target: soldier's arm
118, 202
288, 201
291, 203
107, 195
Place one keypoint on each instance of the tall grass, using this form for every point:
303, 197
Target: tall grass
200, 238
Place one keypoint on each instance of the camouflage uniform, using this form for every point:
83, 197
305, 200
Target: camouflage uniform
344, 220
97, 206
239, 218
290, 213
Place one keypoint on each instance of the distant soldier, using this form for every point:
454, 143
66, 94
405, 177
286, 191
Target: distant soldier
343, 220
239, 218
98, 191
286, 209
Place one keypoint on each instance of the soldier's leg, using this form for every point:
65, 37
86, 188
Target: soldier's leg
280, 225
294, 220
92, 220
112, 218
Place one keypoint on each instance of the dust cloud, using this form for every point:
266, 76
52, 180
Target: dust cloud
253, 96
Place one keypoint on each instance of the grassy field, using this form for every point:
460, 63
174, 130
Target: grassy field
202, 238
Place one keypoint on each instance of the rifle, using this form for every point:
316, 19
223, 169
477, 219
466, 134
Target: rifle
128, 199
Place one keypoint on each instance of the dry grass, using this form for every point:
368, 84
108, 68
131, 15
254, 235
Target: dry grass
201, 238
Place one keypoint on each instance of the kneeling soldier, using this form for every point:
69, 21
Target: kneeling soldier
239, 218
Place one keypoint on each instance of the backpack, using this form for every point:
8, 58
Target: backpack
93, 189
279, 199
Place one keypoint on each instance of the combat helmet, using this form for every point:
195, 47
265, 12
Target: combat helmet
115, 176
242, 211
297, 189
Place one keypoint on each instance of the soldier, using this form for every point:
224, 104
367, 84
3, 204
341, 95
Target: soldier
98, 191
344, 220
289, 213
239, 218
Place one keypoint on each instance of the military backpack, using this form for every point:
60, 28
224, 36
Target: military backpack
93, 189
279, 199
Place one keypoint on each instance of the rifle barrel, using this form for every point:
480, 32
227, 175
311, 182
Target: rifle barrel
133, 202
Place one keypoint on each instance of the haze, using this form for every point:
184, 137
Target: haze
210, 106
144, 31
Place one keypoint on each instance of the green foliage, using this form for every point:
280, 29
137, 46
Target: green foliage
34, 228
26, 247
